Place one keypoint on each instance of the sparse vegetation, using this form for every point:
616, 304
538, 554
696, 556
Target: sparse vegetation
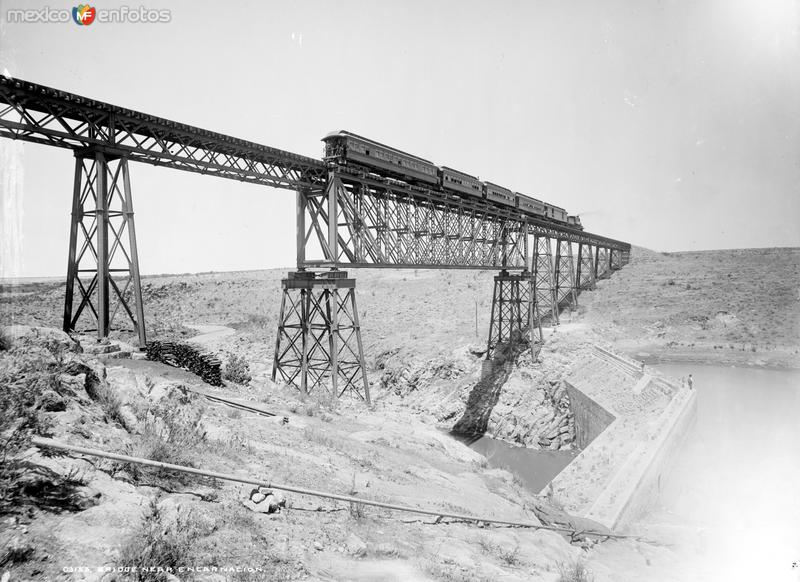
509, 556
112, 406
574, 571
357, 510
25, 382
5, 340
237, 369
169, 432
160, 543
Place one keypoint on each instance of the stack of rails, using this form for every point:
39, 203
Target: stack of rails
183, 355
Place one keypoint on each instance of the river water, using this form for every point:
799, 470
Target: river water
731, 502
534, 468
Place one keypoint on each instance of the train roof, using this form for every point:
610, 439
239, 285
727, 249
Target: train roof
344, 133
449, 169
556, 207
493, 185
529, 197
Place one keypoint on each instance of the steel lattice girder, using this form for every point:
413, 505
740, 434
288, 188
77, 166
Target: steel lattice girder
103, 263
40, 114
544, 286
585, 277
318, 345
514, 311
564, 274
376, 224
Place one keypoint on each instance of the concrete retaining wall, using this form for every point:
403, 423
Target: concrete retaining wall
590, 418
637, 484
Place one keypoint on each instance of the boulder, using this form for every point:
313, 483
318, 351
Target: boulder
55, 339
355, 545
50, 401
264, 500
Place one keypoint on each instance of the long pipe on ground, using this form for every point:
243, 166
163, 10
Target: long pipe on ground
231, 403
51, 444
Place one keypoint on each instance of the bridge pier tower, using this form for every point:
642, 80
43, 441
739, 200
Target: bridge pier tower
564, 275
543, 286
318, 345
515, 314
103, 263
602, 264
615, 260
585, 278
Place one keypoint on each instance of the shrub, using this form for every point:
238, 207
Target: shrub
169, 434
509, 556
23, 483
357, 510
111, 405
237, 369
575, 571
159, 544
5, 340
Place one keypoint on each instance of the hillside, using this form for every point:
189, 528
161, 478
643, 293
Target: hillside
424, 360
734, 306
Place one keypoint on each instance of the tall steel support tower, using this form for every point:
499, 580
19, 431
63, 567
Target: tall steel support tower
564, 274
585, 278
514, 312
103, 261
616, 259
602, 263
318, 346
543, 284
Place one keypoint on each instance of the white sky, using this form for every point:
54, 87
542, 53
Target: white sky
674, 125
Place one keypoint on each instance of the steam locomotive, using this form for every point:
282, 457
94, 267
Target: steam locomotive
345, 148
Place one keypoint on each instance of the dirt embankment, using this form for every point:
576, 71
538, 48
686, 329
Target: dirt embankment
101, 514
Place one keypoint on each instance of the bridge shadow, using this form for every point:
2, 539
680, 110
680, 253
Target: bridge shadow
485, 395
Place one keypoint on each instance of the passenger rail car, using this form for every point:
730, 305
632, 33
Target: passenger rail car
530, 204
353, 151
499, 194
343, 146
460, 182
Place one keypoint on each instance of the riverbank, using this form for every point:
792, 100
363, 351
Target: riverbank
777, 359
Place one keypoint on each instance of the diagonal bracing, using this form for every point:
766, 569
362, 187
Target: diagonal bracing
103, 265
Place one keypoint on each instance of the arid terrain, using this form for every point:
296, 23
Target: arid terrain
423, 345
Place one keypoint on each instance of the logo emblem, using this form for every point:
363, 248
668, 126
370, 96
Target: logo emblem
84, 14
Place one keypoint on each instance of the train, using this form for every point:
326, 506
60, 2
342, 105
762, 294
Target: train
346, 148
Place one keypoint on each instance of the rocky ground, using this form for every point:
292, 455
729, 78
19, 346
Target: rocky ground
423, 343
97, 514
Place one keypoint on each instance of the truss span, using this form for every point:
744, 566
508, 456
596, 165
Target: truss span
40, 114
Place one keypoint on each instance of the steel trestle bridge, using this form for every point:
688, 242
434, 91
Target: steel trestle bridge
345, 217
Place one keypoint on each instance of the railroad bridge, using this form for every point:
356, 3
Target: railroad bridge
345, 219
